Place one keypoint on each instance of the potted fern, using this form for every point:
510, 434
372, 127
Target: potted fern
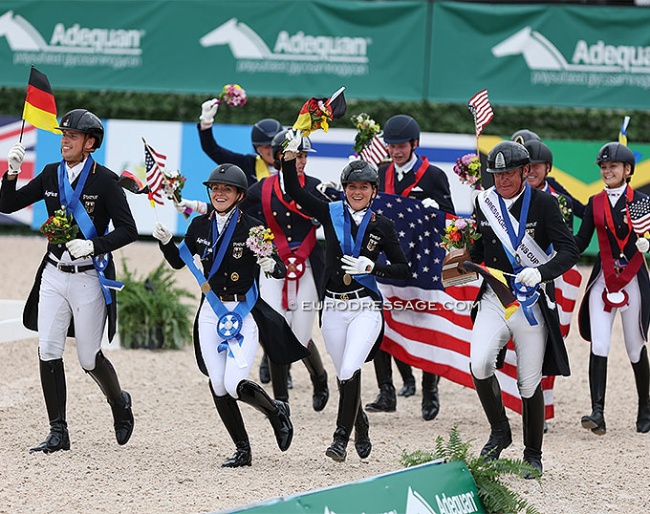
151, 312
495, 495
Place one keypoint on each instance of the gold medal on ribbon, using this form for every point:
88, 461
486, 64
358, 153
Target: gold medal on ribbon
347, 279
205, 288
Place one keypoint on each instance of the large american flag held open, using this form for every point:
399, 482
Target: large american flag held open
433, 332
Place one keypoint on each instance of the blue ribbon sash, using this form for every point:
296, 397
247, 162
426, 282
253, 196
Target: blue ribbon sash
69, 198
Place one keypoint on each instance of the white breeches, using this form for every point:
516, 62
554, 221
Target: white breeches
492, 332
66, 297
224, 368
300, 319
601, 322
350, 330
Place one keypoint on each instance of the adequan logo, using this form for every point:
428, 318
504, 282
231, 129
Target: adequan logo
593, 65
297, 53
72, 46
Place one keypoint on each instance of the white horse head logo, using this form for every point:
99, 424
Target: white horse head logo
244, 43
538, 52
20, 34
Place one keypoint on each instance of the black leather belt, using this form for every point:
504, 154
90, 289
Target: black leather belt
232, 297
350, 295
70, 268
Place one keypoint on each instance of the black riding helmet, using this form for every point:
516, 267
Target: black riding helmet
278, 140
229, 174
264, 131
506, 156
86, 122
401, 128
539, 152
524, 135
359, 171
616, 152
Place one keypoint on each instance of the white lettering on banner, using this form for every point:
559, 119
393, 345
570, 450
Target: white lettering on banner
596, 65
323, 47
458, 504
99, 40
73, 46
302, 68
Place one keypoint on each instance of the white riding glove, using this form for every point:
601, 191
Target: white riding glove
15, 158
529, 277
267, 264
161, 233
357, 265
430, 203
80, 248
294, 139
192, 205
642, 244
209, 111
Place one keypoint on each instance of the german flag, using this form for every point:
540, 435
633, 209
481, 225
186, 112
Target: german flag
499, 284
316, 113
40, 107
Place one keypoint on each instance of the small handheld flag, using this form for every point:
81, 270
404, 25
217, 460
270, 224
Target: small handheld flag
622, 135
132, 183
318, 112
640, 215
480, 107
154, 163
40, 107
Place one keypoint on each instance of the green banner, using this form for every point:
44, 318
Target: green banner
573, 56
280, 48
432, 488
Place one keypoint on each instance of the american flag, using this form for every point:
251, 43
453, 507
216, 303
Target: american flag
640, 215
433, 331
155, 164
480, 107
375, 151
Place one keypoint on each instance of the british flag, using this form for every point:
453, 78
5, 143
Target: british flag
9, 135
429, 326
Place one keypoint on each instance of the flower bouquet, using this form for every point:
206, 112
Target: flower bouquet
59, 228
260, 242
367, 129
173, 183
468, 169
233, 95
565, 208
458, 237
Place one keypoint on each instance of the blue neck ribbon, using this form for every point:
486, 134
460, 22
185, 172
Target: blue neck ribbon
527, 296
342, 223
69, 198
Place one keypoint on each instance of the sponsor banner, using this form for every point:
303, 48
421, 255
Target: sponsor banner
432, 488
119, 45
570, 56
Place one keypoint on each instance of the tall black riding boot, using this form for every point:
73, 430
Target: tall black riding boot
533, 422
489, 393
276, 411
120, 401
642, 379
430, 398
361, 436
406, 372
54, 392
349, 404
386, 400
232, 419
279, 381
265, 374
597, 385
318, 375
